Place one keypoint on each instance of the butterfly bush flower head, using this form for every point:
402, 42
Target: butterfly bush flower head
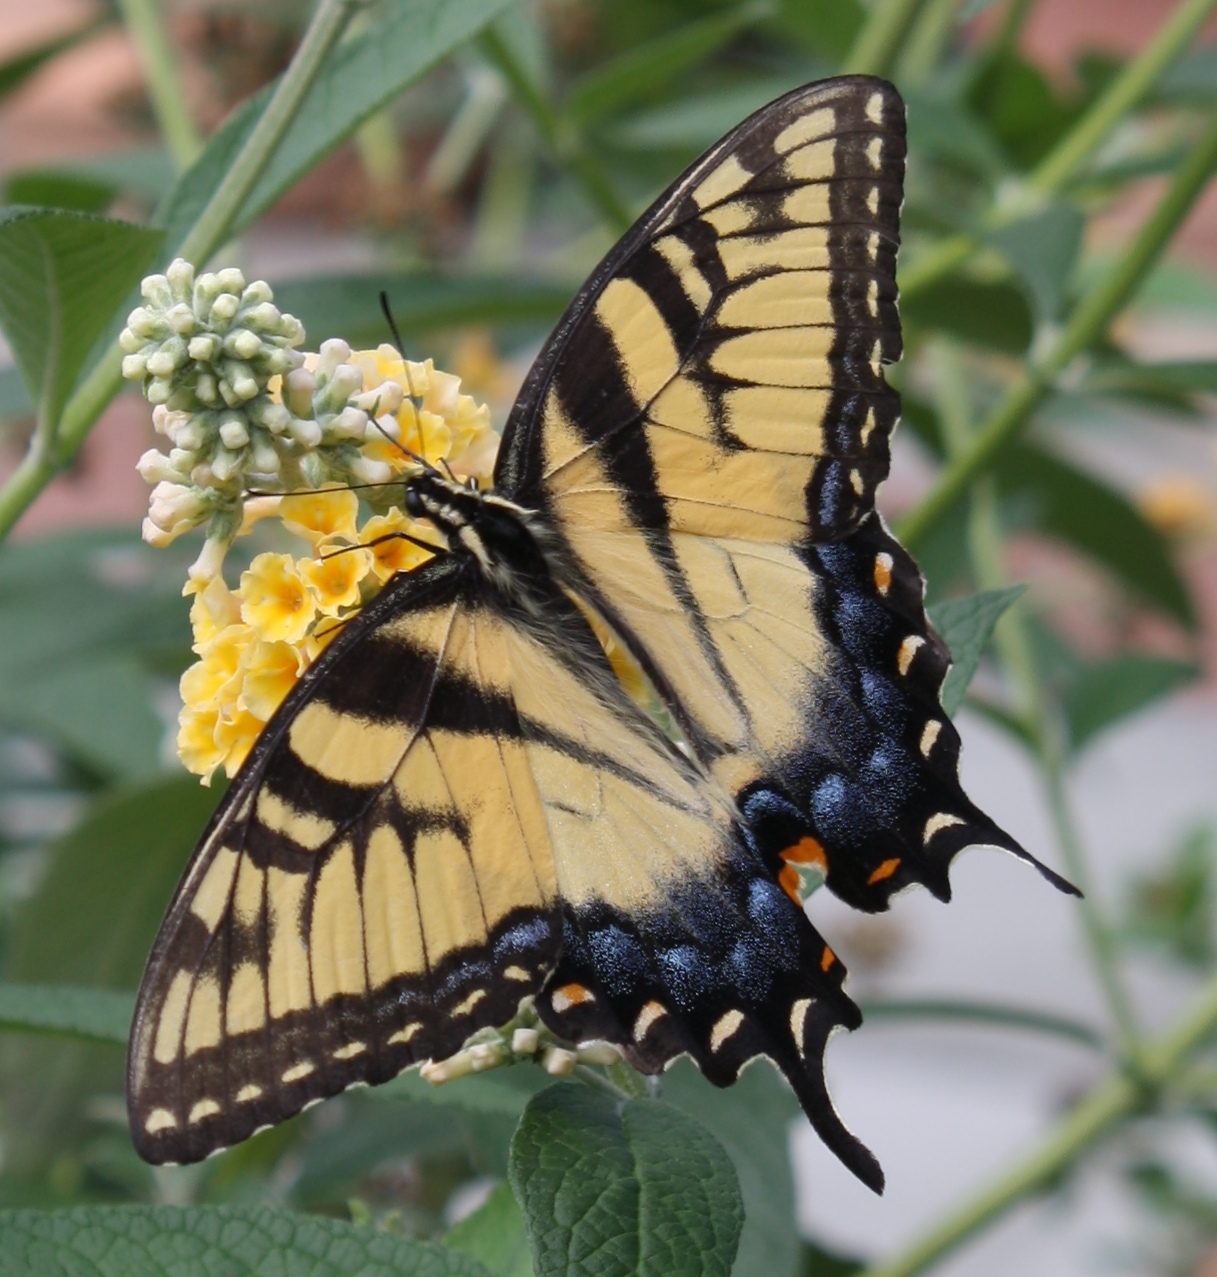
258, 428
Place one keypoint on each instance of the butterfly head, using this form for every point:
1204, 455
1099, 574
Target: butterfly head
498, 535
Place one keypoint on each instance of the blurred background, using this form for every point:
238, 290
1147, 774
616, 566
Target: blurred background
481, 198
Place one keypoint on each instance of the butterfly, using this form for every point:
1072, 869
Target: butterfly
669, 664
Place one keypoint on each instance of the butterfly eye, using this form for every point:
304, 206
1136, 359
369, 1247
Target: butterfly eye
414, 504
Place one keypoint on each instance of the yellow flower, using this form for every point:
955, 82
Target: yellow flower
271, 671
214, 608
196, 741
1178, 505
334, 579
316, 642
275, 601
321, 516
216, 679
392, 553
235, 734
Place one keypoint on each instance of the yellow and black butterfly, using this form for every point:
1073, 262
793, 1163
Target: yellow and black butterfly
462, 805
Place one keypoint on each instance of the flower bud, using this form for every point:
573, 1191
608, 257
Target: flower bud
243, 343
134, 366
233, 433
225, 307
203, 348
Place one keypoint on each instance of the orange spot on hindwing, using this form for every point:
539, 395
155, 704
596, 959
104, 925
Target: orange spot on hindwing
806, 852
885, 870
827, 958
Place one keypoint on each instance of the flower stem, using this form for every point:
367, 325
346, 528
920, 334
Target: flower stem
928, 40
561, 138
145, 24
1063, 161
1103, 1109
879, 41
51, 454
1087, 323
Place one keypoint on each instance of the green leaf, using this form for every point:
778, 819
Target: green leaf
62, 275
421, 301
1043, 249
365, 73
90, 922
694, 123
966, 625
207, 1241
644, 71
1104, 692
977, 312
14, 402
17, 70
495, 1236
1172, 908
973, 9
52, 188
826, 26
818, 1262
611, 1189
99, 1015
752, 1122
939, 128
1060, 499
81, 675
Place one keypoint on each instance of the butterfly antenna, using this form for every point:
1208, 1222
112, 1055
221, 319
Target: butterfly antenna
415, 398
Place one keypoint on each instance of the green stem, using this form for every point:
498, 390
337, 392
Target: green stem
1014, 646
1104, 1108
1087, 324
90, 398
879, 40
927, 42
561, 139
1061, 163
983, 1013
145, 24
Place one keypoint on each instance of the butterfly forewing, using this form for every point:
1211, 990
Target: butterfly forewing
377, 884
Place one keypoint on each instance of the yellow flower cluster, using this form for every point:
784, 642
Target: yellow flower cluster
255, 642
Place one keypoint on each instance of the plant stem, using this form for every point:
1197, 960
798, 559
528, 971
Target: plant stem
1055, 170
562, 140
983, 1013
927, 42
145, 24
1104, 1108
47, 456
1013, 642
879, 41
1086, 325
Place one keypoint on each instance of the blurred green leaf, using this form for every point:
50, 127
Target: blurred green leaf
50, 188
364, 74
818, 1262
1173, 908
966, 625
973, 9
979, 313
505, 1091
495, 1236
422, 302
940, 128
622, 1190
1104, 692
206, 1241
829, 27
751, 1120
644, 72
16, 70
89, 184
1043, 249
1086, 513
81, 675
14, 401
91, 923
100, 1015
62, 275
1193, 78
694, 123
1020, 108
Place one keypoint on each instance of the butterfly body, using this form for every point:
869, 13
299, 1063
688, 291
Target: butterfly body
671, 664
